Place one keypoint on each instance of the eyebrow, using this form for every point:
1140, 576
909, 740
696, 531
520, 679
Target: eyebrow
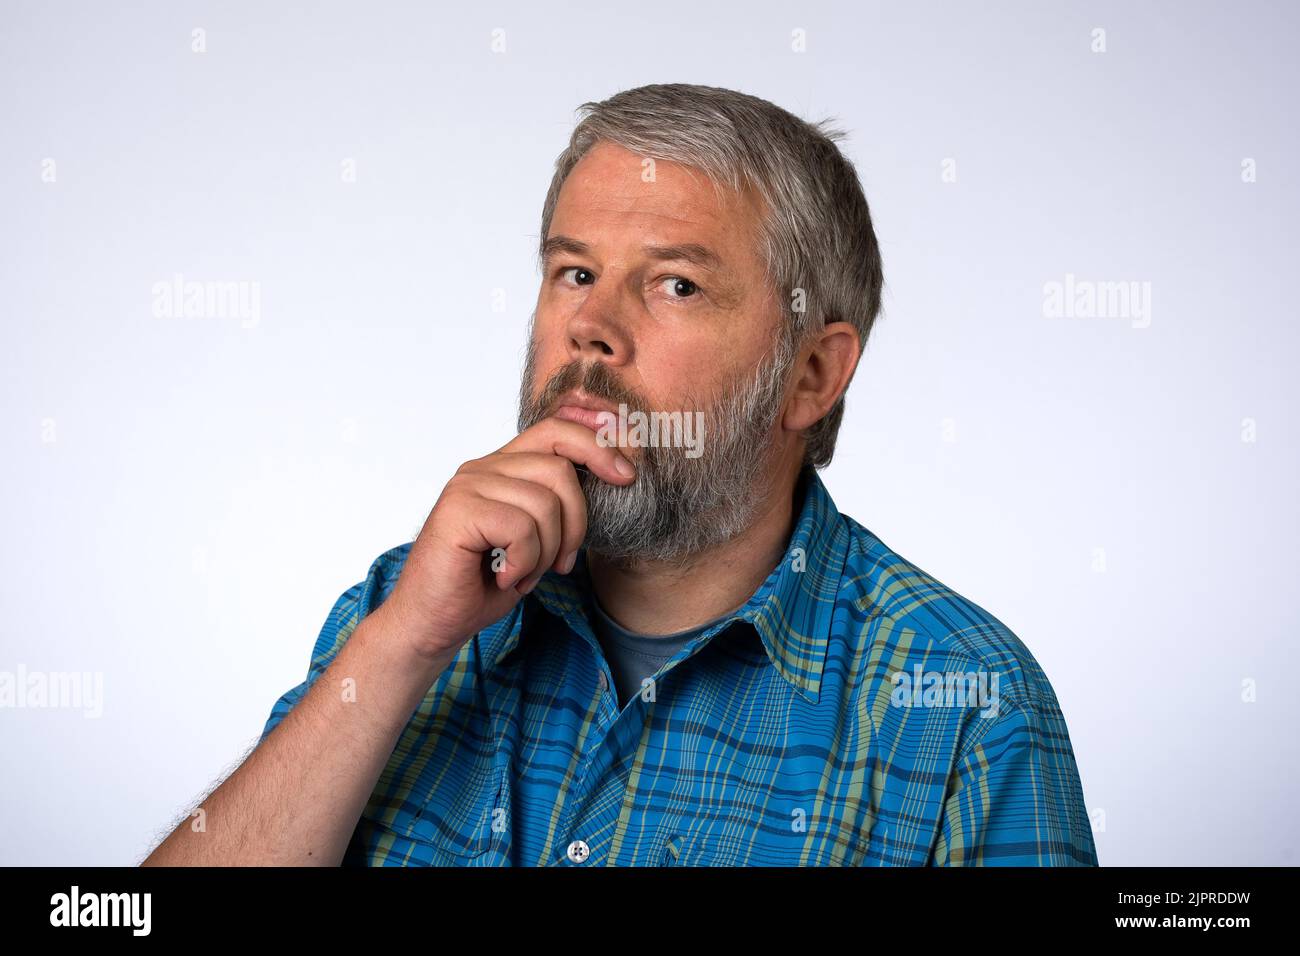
691, 252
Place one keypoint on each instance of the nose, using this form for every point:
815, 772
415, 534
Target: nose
596, 331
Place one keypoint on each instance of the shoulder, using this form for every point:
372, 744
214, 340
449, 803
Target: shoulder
908, 617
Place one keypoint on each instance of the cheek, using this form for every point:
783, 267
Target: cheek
548, 347
546, 359
552, 311
681, 375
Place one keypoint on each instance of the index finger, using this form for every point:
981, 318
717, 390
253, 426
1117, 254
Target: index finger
578, 444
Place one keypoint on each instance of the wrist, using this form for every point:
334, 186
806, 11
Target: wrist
408, 640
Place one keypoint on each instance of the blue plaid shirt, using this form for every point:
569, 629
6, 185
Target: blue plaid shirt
854, 712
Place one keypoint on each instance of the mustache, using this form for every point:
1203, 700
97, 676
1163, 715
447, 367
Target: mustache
595, 379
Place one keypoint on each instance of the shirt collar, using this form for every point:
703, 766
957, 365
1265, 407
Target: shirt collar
791, 610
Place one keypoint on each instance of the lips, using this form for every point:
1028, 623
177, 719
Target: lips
585, 410
591, 417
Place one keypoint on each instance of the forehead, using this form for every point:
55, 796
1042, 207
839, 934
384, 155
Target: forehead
609, 199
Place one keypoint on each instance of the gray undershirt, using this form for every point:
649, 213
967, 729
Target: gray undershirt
633, 657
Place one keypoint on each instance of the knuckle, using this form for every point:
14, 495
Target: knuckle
559, 465
522, 524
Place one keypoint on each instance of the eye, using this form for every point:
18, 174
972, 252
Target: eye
587, 273
679, 288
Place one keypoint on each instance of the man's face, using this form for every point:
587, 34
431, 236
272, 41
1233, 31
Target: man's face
654, 294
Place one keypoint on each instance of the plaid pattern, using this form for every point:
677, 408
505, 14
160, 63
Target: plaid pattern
786, 734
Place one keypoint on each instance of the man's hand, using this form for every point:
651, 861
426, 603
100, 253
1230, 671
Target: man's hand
524, 500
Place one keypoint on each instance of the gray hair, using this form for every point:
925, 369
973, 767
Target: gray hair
816, 227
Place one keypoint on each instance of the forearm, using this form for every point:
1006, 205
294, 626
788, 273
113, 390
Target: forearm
297, 798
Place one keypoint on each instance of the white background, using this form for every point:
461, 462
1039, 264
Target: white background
184, 499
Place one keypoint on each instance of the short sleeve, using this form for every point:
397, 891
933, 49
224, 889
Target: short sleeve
1015, 798
352, 605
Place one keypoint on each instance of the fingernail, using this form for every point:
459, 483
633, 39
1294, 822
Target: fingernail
569, 562
624, 466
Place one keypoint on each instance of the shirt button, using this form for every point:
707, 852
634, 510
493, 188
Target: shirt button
602, 682
578, 851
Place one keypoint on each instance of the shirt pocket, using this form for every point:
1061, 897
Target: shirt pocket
469, 827
751, 835
672, 850
701, 850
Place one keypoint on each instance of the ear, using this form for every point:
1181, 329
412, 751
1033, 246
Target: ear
823, 372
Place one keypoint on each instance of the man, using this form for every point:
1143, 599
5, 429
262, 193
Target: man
640, 633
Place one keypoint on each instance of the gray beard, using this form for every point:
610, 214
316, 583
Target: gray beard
677, 507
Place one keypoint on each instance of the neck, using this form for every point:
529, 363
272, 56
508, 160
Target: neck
664, 598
